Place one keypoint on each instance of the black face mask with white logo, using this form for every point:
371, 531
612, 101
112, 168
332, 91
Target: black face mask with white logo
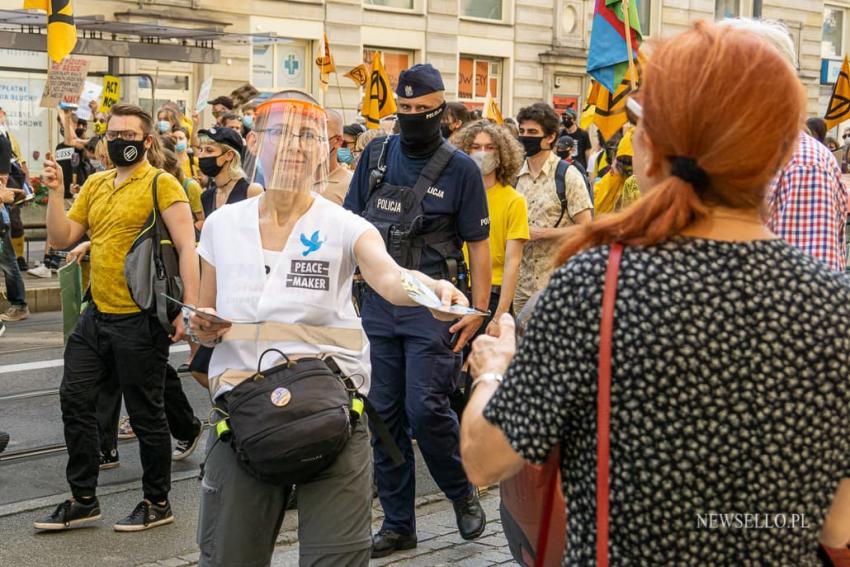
123, 152
420, 133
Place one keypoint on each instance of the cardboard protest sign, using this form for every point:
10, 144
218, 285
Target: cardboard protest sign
65, 82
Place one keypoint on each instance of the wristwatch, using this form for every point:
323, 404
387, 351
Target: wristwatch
486, 377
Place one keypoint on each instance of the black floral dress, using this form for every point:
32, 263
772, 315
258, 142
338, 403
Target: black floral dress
730, 420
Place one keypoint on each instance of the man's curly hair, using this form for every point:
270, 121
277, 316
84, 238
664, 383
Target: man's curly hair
510, 152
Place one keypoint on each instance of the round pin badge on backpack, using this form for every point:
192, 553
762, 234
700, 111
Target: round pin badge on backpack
280, 397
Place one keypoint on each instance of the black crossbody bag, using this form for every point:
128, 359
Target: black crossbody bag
290, 422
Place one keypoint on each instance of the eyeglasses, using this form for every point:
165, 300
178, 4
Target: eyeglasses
126, 135
634, 111
304, 138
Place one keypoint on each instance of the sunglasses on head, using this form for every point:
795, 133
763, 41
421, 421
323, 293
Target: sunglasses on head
634, 111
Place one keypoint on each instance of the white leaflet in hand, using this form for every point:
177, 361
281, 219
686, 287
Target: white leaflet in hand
423, 295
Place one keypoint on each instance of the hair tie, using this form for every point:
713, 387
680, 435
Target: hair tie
688, 170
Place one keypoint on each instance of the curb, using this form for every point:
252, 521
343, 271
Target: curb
39, 299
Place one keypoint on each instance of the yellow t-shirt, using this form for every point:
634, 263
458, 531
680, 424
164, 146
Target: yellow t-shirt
114, 217
190, 169
508, 221
193, 192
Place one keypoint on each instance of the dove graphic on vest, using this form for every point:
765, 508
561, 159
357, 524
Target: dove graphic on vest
313, 243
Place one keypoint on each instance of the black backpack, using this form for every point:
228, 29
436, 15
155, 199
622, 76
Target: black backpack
152, 268
561, 186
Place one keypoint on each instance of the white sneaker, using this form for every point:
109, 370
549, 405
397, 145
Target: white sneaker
41, 271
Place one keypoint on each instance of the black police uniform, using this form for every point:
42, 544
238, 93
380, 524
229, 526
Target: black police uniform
413, 367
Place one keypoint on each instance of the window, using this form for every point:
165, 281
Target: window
281, 65
474, 75
400, 4
832, 44
395, 61
483, 9
644, 9
727, 9
169, 87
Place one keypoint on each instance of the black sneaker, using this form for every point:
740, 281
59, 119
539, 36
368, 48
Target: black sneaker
4, 440
184, 449
70, 514
23, 265
109, 460
387, 542
144, 517
470, 517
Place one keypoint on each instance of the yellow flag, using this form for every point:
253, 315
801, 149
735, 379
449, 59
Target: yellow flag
325, 63
359, 75
608, 111
839, 105
378, 98
61, 31
588, 113
491, 109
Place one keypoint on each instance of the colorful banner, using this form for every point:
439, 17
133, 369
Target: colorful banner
607, 58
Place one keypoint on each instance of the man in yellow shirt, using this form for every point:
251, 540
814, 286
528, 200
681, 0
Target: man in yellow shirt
114, 339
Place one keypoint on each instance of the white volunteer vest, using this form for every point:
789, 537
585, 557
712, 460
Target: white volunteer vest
305, 300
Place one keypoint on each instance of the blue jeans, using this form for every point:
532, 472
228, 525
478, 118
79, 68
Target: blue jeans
16, 293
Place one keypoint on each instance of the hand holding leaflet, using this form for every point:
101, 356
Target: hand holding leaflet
423, 295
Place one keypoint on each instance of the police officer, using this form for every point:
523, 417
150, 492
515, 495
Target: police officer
425, 198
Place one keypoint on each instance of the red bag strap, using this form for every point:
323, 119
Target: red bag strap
548, 509
603, 412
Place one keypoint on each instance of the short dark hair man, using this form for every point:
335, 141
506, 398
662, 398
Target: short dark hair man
220, 106
582, 138
415, 360
114, 340
548, 219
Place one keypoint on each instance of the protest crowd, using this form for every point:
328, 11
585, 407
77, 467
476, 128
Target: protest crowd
657, 314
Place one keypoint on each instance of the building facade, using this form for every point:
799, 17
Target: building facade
520, 51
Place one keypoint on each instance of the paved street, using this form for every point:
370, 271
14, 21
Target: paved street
32, 483
439, 542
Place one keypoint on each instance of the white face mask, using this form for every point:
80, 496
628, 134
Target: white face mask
486, 161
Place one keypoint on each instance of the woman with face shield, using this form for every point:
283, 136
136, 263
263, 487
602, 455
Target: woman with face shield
285, 262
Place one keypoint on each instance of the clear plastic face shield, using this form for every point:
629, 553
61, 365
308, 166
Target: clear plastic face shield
290, 142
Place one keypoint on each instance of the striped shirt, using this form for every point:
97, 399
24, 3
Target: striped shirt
807, 203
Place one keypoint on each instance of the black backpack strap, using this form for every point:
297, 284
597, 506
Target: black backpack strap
433, 169
561, 188
375, 422
159, 287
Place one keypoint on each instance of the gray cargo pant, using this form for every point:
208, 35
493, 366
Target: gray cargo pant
240, 516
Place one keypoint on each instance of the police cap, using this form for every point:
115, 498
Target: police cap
419, 80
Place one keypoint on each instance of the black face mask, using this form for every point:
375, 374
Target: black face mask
209, 166
420, 133
531, 145
123, 153
445, 130
568, 122
80, 132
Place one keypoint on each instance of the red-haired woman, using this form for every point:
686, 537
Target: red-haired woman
731, 349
